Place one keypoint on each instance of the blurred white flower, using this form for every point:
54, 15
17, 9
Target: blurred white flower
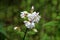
34, 17
23, 14
15, 28
35, 30
29, 24
30, 17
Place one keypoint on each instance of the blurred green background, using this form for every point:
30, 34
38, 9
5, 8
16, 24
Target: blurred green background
48, 27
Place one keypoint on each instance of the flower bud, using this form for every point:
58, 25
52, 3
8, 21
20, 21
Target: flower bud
32, 8
35, 30
15, 28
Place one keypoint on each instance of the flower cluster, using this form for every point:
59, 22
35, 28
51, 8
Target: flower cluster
32, 17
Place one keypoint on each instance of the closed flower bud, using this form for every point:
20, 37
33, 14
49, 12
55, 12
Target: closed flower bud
32, 8
35, 30
15, 28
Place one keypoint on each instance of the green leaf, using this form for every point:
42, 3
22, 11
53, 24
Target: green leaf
52, 23
31, 33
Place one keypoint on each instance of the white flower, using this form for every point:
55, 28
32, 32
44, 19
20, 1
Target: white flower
37, 19
23, 14
29, 24
35, 14
34, 17
35, 30
30, 17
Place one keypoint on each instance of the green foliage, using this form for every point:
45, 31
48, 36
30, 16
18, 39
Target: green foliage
48, 27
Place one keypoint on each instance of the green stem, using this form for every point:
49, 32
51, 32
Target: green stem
25, 34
